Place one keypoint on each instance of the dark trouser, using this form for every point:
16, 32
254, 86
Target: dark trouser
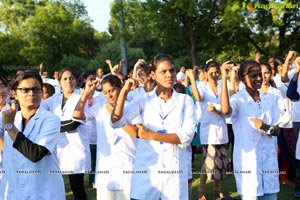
93, 149
297, 177
231, 141
77, 186
296, 126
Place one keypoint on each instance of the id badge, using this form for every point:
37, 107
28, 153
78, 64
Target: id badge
162, 131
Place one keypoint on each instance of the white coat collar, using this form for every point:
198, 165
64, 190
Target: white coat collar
31, 123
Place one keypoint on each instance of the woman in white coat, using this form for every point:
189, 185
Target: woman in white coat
167, 128
213, 131
115, 147
30, 139
254, 121
73, 146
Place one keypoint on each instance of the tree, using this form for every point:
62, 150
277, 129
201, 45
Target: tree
261, 28
47, 30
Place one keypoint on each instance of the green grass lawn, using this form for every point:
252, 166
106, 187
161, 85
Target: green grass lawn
227, 186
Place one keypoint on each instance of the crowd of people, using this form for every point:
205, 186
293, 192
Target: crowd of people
135, 135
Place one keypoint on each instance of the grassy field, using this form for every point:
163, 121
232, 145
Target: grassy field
227, 186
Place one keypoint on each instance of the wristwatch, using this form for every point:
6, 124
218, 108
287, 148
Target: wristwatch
270, 131
8, 127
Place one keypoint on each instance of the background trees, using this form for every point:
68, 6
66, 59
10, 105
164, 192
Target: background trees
59, 32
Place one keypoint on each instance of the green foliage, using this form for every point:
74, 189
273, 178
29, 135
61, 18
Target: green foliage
12, 57
77, 64
47, 30
192, 31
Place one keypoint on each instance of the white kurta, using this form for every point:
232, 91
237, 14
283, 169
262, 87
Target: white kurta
73, 146
115, 151
254, 155
213, 129
24, 179
160, 169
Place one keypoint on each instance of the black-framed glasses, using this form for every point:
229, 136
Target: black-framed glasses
36, 90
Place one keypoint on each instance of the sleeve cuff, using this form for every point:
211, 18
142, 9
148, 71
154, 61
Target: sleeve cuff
118, 124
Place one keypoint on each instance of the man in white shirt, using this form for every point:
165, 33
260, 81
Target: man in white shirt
180, 76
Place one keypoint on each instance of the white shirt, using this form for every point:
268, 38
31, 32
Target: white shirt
134, 93
296, 107
54, 83
160, 169
115, 151
24, 179
73, 147
180, 76
213, 129
286, 104
254, 155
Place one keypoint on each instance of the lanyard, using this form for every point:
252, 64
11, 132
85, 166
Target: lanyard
162, 116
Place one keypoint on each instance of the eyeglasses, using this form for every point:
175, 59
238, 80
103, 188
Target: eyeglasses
36, 90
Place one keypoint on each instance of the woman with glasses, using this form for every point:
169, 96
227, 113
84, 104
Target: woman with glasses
73, 146
30, 138
255, 118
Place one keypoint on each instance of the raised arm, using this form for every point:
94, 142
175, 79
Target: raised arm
108, 62
136, 66
117, 112
121, 65
233, 87
225, 106
41, 69
284, 76
89, 89
190, 75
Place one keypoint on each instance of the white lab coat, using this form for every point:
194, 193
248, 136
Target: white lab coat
160, 169
115, 151
213, 129
24, 179
255, 154
73, 147
134, 93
